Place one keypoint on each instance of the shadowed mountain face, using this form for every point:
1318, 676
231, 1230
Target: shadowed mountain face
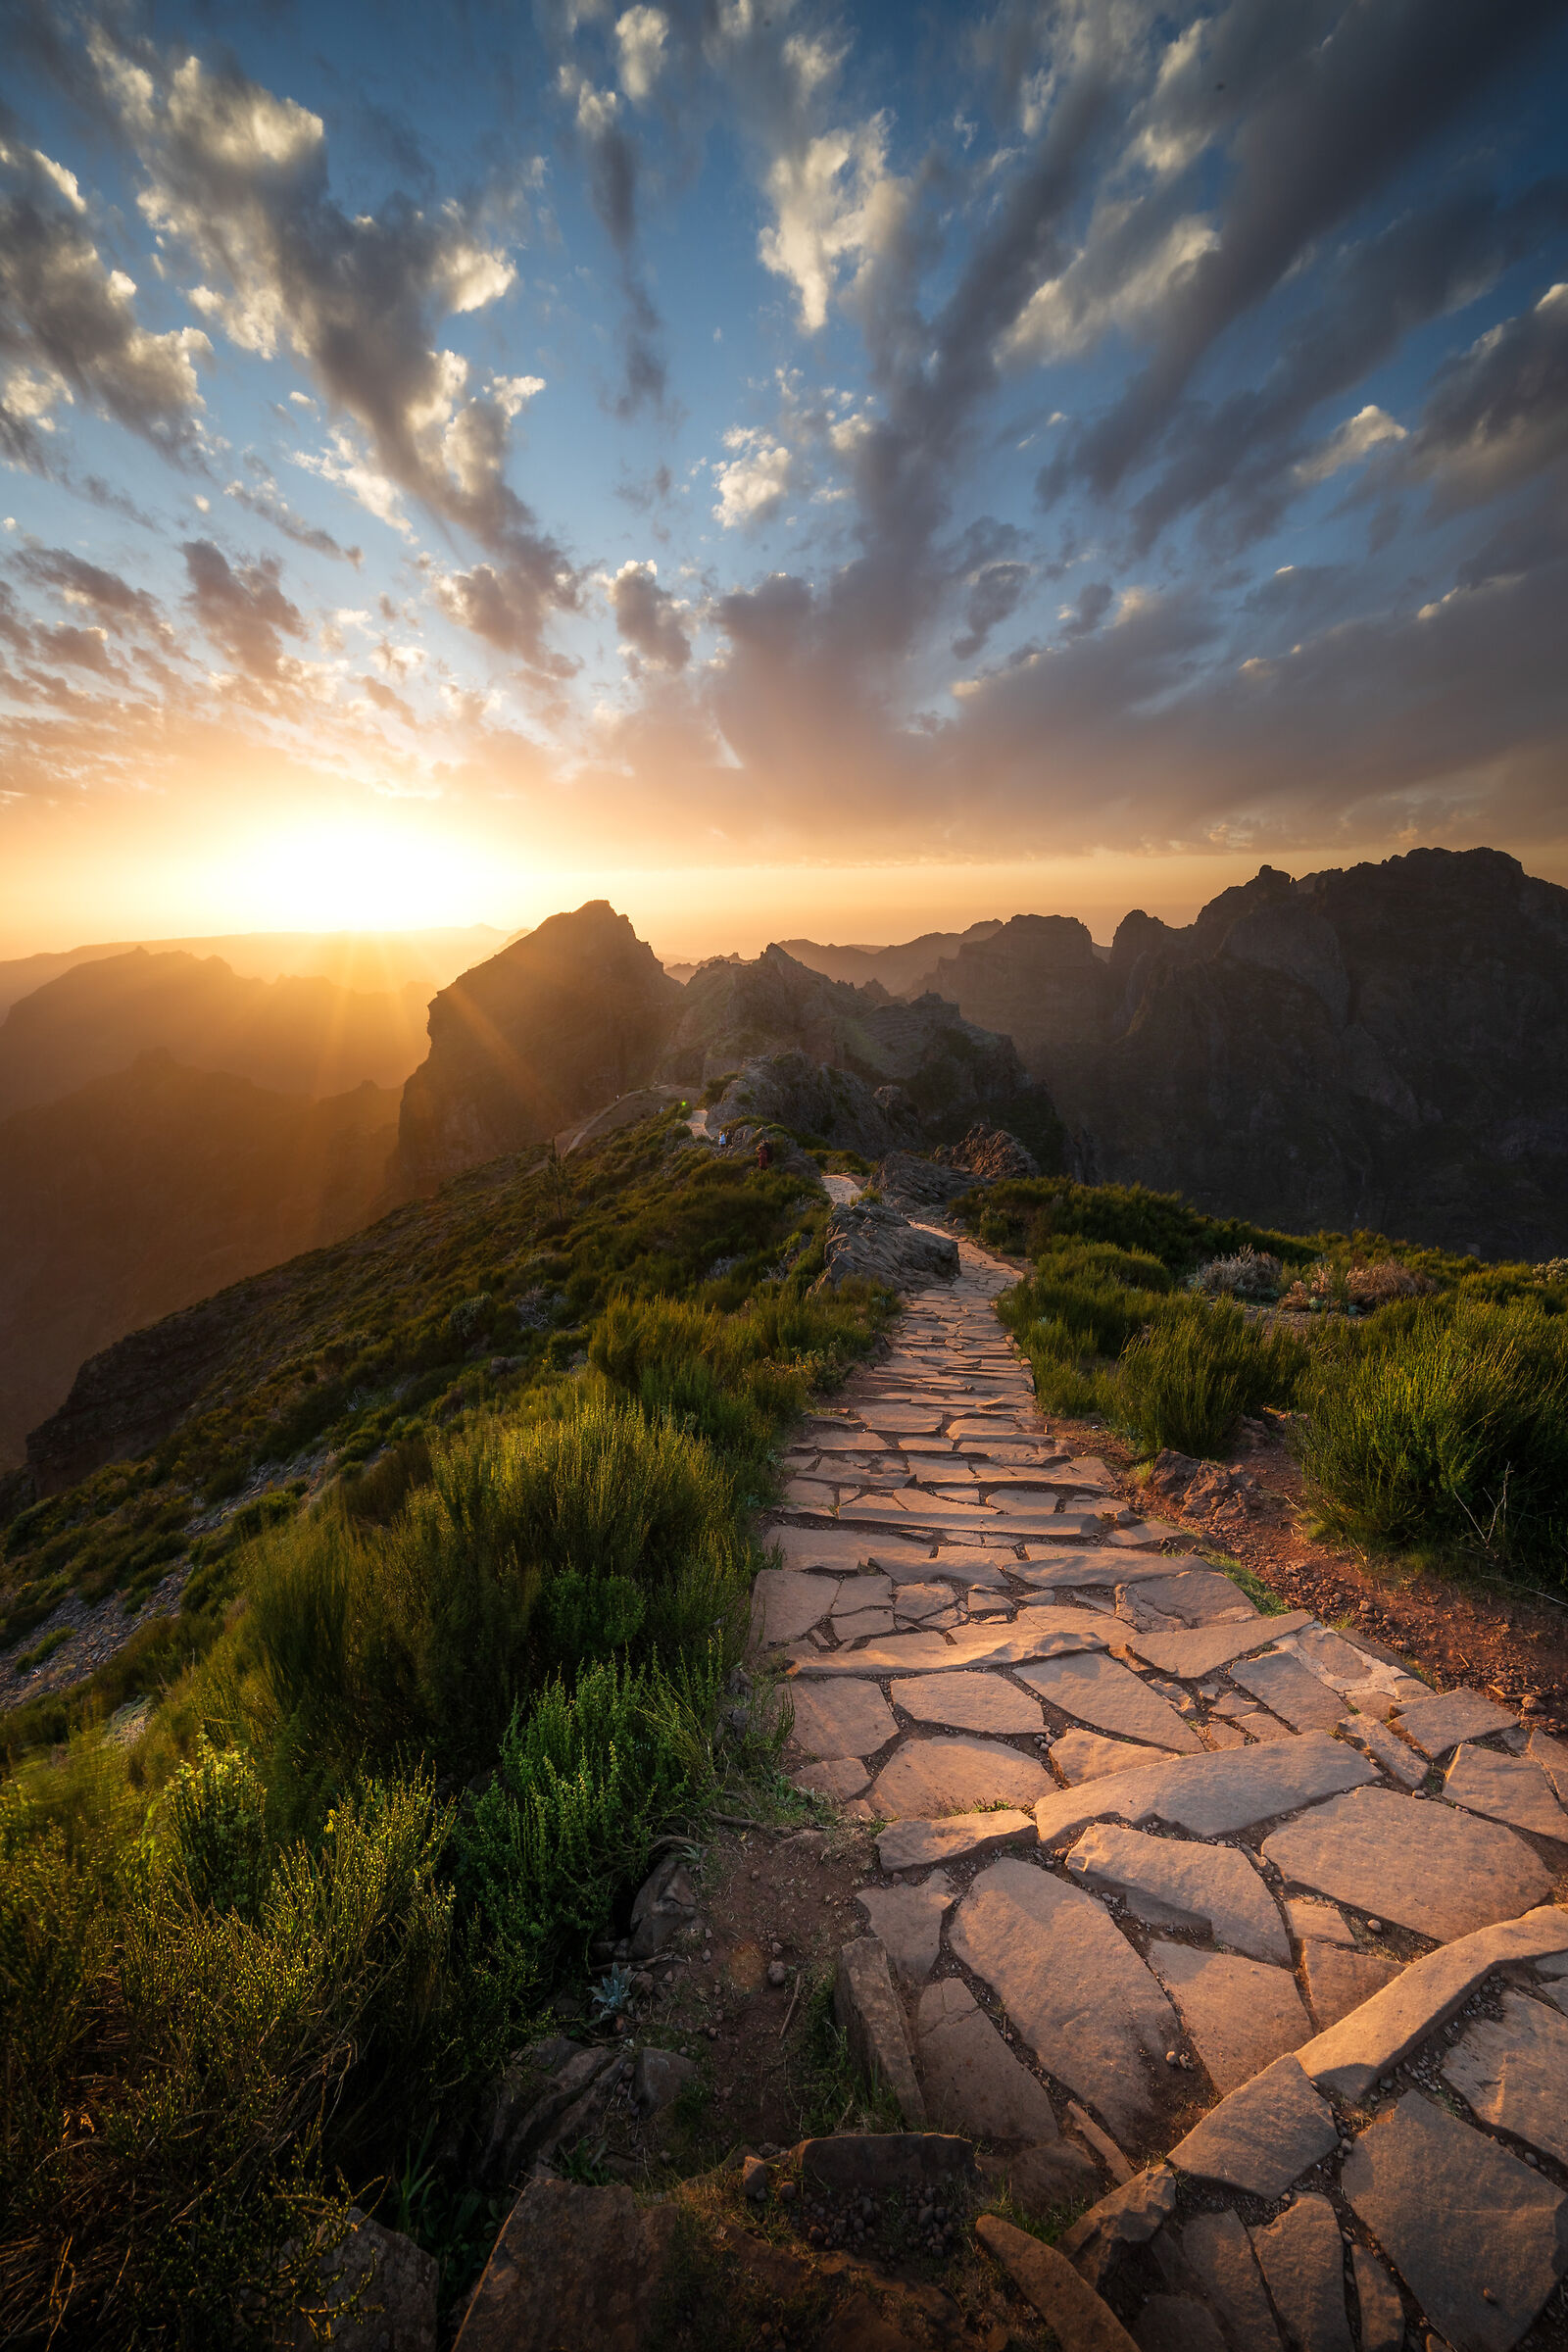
533, 1041
1384, 1046
298, 1036
143, 1191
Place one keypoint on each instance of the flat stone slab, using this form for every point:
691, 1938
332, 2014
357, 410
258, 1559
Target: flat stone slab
1038, 1634
1218, 2249
846, 1776
926, 1605
973, 2083
1506, 1789
1378, 2305
909, 1921
1315, 1922
1340, 1981
835, 1548
1302, 2259
1240, 2015
925, 1779
1478, 2237
870, 1590
1290, 1691
1190, 1655
1098, 1691
1072, 1984
1397, 1757
1440, 1722
1195, 1595
902, 1420
1442, 1873
841, 1439
1168, 1882
841, 1718
1264, 2135
786, 1605
1348, 2058
1514, 2072
1090, 1570
1211, 1797
912, 1844
1552, 1757
969, 1701
1089, 1756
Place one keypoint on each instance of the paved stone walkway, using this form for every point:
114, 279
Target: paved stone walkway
1215, 1916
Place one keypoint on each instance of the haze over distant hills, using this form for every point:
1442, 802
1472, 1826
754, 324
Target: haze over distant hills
145, 1191
898, 969
299, 1036
373, 961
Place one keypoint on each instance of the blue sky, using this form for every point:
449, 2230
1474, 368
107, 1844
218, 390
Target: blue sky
775, 463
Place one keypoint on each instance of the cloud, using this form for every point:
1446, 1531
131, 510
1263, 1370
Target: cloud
244, 611
238, 177
648, 617
1322, 109
112, 602
753, 484
640, 37
994, 594
69, 327
1497, 414
1350, 444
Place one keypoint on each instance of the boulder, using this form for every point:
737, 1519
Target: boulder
869, 1242
392, 2283
870, 2017
663, 1904
990, 1153
573, 2264
790, 1089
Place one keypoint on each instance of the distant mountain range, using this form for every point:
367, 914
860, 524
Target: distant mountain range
1384, 1047
373, 961
143, 1191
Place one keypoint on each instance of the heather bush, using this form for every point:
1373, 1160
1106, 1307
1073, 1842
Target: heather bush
1446, 1431
1187, 1380
1252, 1274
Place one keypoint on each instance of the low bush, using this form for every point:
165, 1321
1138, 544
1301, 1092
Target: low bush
1187, 1381
1254, 1274
1446, 1432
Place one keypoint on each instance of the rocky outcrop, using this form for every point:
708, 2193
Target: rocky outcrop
533, 1042
790, 1089
990, 1153
869, 1242
1381, 1047
903, 971
949, 1069
141, 1193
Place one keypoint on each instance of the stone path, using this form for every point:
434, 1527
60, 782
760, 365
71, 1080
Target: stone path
1222, 1918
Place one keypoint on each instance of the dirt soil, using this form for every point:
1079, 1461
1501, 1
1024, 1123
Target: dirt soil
1489, 1633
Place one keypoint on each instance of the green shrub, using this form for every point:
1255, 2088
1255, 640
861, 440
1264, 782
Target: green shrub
587, 1778
1041, 1211
1447, 1430
182, 2083
1185, 1382
216, 1812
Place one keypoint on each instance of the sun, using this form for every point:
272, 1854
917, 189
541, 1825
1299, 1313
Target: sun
350, 873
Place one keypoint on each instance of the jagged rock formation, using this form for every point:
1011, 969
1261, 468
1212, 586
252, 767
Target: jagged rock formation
868, 1242
989, 1152
948, 1069
790, 1089
299, 1036
141, 1193
534, 1040
1385, 1046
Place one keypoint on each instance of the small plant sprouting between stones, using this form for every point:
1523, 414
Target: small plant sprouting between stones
612, 1992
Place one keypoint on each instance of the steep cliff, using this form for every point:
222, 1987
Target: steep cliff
141, 1193
1035, 979
1382, 1045
536, 1038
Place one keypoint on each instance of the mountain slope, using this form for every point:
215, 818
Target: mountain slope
142, 1192
297, 1035
898, 969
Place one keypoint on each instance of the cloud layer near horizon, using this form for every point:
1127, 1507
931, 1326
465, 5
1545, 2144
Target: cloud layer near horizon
1162, 443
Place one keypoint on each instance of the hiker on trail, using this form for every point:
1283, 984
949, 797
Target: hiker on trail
765, 1153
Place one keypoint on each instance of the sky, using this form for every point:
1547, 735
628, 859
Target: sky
784, 469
